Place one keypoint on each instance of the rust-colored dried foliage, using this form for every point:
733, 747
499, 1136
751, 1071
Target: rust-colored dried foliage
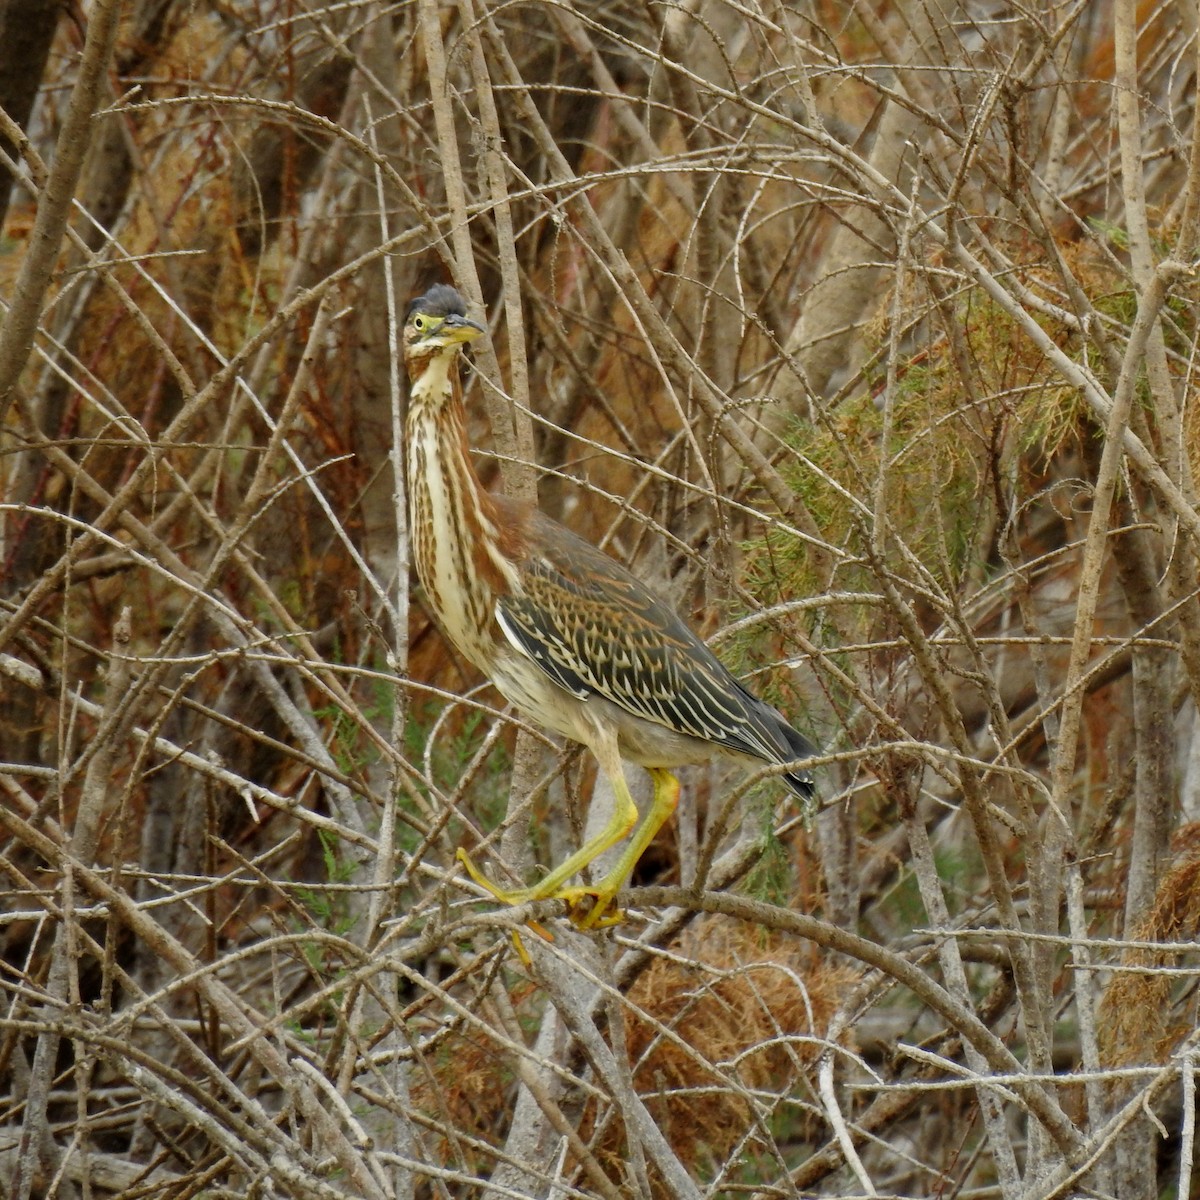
743, 1014
463, 1089
1143, 1016
730, 1013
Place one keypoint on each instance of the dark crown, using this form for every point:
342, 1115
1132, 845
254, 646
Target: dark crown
440, 301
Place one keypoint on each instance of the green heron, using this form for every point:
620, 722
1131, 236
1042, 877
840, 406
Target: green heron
567, 634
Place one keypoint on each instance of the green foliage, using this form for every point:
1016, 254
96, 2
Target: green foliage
770, 880
352, 748
928, 460
456, 745
1116, 234
931, 487
956, 870
328, 909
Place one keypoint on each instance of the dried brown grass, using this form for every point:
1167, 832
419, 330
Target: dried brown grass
1139, 1019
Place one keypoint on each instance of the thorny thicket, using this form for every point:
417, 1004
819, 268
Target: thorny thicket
867, 332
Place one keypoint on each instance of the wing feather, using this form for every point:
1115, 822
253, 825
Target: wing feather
595, 629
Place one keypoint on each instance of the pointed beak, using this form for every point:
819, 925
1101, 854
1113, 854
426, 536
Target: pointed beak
460, 329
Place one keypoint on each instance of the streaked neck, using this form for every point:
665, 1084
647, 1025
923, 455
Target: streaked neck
453, 523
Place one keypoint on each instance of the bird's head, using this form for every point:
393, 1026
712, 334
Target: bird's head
436, 326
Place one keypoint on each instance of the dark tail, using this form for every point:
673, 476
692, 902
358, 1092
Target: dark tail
798, 746
789, 746
773, 729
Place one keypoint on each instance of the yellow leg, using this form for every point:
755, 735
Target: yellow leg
620, 823
623, 819
666, 797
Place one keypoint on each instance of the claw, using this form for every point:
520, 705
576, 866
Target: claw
513, 897
587, 907
590, 907
480, 878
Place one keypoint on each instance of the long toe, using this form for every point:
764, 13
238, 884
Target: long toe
590, 907
511, 896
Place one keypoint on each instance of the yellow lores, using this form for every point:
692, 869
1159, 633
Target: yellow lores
566, 633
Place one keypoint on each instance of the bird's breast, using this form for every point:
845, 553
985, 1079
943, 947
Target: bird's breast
455, 541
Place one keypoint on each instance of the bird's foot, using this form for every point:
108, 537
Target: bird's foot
513, 896
590, 907
587, 907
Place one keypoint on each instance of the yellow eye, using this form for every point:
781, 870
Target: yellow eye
420, 322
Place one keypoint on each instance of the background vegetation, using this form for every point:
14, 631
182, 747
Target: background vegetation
866, 330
